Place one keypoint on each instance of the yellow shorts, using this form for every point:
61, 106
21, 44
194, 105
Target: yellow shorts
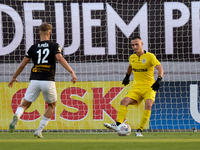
140, 94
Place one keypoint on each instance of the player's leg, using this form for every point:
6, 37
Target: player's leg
121, 115
30, 96
130, 99
20, 110
45, 119
147, 113
122, 112
50, 96
145, 117
149, 101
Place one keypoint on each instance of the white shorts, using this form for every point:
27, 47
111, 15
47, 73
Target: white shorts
48, 89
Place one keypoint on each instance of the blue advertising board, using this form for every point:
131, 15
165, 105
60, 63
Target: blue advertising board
172, 107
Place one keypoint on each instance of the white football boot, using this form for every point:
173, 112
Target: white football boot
38, 134
111, 126
138, 133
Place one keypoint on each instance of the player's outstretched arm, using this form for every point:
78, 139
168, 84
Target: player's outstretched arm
126, 79
64, 63
156, 85
18, 71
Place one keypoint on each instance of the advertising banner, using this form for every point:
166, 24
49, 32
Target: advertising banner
101, 31
83, 105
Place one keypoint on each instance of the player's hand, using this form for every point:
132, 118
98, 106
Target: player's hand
156, 85
11, 82
74, 78
126, 80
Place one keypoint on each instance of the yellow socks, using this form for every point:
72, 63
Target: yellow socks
121, 113
145, 118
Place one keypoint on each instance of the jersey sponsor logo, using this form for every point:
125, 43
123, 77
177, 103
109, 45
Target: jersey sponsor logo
43, 45
34, 70
140, 70
40, 68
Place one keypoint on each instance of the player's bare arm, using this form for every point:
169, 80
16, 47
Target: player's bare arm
156, 85
18, 71
129, 70
126, 79
64, 63
160, 70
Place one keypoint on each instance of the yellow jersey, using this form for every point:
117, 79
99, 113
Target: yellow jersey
143, 69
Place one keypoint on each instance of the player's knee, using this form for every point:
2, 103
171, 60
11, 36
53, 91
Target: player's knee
25, 104
126, 101
149, 104
52, 105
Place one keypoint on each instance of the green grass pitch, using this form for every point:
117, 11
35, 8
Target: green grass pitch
100, 141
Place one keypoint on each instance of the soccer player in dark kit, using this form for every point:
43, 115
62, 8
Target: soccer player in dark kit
44, 55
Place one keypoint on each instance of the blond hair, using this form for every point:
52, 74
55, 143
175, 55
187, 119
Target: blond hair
45, 27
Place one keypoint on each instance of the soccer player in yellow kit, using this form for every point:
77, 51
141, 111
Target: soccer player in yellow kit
144, 87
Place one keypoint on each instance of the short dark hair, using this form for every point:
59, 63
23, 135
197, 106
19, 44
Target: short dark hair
45, 27
136, 37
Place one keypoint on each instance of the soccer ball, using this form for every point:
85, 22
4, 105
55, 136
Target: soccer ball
123, 130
